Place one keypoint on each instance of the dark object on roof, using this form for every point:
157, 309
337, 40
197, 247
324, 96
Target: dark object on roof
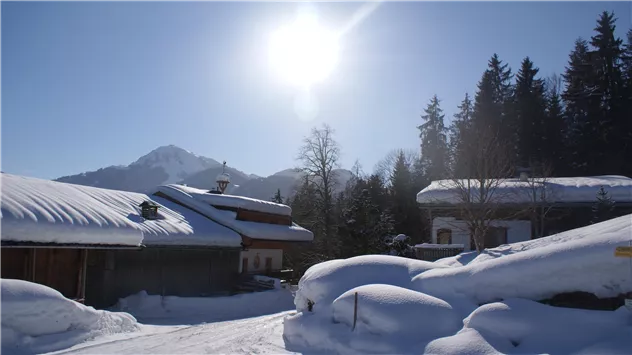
149, 209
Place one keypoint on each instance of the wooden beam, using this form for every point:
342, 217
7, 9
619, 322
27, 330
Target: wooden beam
81, 279
33, 258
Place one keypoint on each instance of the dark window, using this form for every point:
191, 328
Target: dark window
444, 236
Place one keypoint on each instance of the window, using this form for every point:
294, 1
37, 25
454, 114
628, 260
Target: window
444, 236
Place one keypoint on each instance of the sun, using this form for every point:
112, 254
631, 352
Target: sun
303, 53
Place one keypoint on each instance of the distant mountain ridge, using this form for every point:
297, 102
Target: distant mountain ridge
171, 164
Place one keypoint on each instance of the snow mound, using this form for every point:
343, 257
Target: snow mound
535, 328
469, 342
392, 310
567, 262
324, 282
145, 306
40, 318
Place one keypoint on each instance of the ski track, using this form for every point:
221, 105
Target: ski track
259, 335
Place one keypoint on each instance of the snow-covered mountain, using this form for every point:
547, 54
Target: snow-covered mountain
176, 162
172, 164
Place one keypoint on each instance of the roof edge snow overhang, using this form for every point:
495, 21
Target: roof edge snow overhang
523, 205
16, 244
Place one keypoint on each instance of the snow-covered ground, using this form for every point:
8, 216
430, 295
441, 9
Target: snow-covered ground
469, 304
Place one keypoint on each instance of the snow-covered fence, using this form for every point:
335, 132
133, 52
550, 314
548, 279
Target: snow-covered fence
433, 252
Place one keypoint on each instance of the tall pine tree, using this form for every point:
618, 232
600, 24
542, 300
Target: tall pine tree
460, 133
434, 145
530, 110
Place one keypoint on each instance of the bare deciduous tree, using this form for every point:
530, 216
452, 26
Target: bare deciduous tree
541, 196
478, 196
319, 157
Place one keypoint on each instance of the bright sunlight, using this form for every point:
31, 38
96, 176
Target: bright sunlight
303, 53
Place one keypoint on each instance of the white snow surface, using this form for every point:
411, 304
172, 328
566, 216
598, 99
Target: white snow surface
558, 190
324, 282
149, 307
178, 163
394, 319
228, 218
36, 210
537, 328
233, 201
577, 260
36, 319
393, 310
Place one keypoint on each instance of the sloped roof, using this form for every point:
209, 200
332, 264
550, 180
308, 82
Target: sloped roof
558, 190
200, 202
43, 211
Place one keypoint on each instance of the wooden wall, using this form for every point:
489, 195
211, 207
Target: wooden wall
58, 268
114, 274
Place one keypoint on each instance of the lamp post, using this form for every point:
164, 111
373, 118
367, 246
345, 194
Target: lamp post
223, 179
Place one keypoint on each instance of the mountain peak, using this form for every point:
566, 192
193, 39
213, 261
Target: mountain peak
177, 162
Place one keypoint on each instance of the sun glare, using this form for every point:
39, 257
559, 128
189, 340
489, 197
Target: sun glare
303, 53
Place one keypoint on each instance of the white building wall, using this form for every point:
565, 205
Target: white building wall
251, 254
517, 231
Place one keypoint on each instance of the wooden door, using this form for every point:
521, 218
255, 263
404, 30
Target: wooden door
244, 265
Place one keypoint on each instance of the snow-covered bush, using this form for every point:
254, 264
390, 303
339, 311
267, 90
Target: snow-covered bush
324, 282
40, 318
399, 246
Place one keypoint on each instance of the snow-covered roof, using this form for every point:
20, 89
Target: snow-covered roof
557, 190
232, 201
43, 211
193, 199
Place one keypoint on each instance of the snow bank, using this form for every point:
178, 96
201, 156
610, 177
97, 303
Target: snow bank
36, 210
392, 310
567, 189
577, 261
469, 342
38, 318
145, 307
228, 218
536, 328
324, 282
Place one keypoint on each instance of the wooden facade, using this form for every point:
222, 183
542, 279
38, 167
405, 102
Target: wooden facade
167, 271
63, 269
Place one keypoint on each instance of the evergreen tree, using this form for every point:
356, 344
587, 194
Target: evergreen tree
492, 106
610, 122
581, 101
277, 198
434, 145
460, 132
363, 224
554, 151
603, 207
626, 125
530, 111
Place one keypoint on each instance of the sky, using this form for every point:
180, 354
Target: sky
87, 85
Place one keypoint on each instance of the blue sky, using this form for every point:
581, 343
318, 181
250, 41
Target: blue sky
88, 85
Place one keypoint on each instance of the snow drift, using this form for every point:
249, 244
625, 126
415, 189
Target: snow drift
146, 307
576, 260
324, 282
536, 328
392, 310
36, 318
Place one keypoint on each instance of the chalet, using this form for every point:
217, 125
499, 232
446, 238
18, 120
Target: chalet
559, 204
266, 228
98, 245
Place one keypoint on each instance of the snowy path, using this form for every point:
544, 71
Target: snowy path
244, 336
